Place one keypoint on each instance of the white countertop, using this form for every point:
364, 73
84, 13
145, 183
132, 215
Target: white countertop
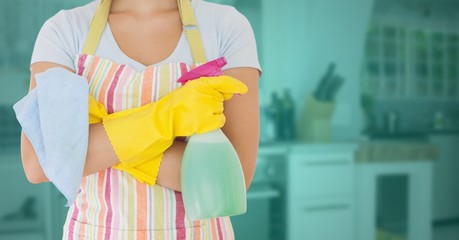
299, 147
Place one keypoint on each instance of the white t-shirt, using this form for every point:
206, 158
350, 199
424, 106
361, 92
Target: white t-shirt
225, 32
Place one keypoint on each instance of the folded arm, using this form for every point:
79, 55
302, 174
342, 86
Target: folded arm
241, 128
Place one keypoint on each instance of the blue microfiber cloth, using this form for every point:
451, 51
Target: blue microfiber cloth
54, 116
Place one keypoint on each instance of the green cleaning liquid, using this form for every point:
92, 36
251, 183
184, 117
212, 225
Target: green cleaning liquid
212, 178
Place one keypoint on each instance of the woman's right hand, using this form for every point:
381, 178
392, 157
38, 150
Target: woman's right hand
197, 107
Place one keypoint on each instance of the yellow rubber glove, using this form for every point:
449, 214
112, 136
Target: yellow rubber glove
97, 111
140, 136
143, 172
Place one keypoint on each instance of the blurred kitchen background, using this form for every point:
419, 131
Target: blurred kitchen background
359, 121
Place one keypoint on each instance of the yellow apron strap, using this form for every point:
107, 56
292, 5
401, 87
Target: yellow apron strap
190, 26
97, 27
191, 31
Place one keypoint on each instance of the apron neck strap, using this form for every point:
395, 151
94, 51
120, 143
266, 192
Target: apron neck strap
190, 26
189, 23
97, 26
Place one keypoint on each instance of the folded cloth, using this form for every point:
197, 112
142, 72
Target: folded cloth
54, 116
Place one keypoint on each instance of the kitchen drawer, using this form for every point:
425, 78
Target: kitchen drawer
320, 176
330, 219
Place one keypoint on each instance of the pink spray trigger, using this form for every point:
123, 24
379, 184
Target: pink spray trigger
209, 69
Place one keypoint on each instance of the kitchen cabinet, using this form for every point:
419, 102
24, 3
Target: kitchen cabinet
320, 192
332, 171
407, 61
445, 177
321, 219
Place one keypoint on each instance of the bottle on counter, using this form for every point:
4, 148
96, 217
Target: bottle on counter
276, 114
439, 121
288, 108
267, 127
392, 122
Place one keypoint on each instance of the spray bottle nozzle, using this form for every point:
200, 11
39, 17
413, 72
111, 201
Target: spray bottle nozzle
209, 69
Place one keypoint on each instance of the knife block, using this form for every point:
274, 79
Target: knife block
315, 120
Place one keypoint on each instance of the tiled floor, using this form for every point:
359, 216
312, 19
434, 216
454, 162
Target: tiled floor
450, 232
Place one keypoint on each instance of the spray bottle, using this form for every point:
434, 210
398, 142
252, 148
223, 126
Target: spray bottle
212, 179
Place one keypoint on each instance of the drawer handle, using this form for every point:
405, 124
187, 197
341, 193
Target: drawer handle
326, 207
324, 163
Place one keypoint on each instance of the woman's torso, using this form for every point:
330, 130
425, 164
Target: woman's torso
112, 204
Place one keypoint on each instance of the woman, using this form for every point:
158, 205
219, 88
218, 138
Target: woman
140, 35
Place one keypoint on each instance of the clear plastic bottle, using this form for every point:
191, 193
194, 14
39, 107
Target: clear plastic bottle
212, 178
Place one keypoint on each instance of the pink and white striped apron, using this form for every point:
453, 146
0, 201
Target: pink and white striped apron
112, 204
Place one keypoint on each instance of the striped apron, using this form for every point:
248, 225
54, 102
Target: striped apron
112, 204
